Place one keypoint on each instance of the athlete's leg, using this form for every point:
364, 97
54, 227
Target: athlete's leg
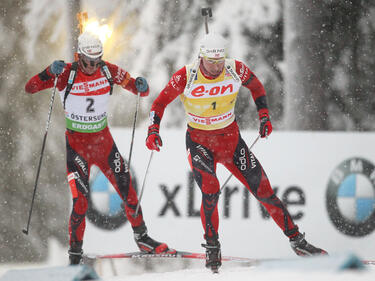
246, 167
203, 166
117, 171
78, 174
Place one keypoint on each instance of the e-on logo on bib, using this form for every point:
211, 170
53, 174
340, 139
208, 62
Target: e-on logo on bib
105, 207
351, 197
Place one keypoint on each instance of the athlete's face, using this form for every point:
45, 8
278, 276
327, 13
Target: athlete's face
89, 65
213, 67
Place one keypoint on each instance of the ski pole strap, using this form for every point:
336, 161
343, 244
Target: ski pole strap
232, 72
192, 75
73, 74
72, 77
107, 74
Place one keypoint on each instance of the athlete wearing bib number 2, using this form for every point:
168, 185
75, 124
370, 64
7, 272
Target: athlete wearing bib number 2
208, 90
85, 87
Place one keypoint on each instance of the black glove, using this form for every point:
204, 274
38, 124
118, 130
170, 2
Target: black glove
57, 67
265, 128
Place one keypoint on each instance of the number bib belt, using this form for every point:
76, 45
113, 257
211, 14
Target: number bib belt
209, 103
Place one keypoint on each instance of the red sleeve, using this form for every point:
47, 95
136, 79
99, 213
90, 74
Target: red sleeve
45, 80
250, 81
122, 77
174, 88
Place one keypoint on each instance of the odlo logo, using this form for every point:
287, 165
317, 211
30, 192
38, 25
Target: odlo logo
351, 197
243, 162
243, 159
117, 163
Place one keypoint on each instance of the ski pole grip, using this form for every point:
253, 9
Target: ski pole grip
206, 12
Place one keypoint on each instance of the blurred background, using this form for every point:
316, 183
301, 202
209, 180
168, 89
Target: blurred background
316, 60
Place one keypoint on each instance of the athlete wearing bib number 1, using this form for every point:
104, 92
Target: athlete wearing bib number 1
85, 87
208, 89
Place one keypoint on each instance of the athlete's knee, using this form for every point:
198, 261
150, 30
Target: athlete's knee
211, 187
80, 205
209, 200
264, 189
78, 184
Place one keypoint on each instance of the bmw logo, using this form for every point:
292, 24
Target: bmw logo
105, 207
351, 197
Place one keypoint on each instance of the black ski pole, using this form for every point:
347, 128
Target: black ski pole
228, 179
143, 185
206, 12
135, 121
26, 230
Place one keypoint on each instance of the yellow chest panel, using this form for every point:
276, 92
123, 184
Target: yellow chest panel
209, 104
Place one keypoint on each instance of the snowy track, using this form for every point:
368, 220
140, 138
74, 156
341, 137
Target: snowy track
184, 270
253, 274
173, 270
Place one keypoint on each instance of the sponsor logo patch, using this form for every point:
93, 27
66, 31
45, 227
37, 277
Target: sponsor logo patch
350, 197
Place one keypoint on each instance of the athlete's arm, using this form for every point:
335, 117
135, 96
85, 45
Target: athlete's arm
122, 77
250, 81
173, 89
45, 80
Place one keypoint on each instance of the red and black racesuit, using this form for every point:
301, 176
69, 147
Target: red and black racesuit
93, 146
207, 147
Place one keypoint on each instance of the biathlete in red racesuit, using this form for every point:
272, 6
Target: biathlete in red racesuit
208, 90
88, 139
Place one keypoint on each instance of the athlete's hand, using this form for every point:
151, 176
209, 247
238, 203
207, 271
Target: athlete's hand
57, 67
153, 140
142, 86
265, 128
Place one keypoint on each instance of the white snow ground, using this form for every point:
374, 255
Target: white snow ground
170, 270
287, 270
296, 269
253, 274
240, 273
